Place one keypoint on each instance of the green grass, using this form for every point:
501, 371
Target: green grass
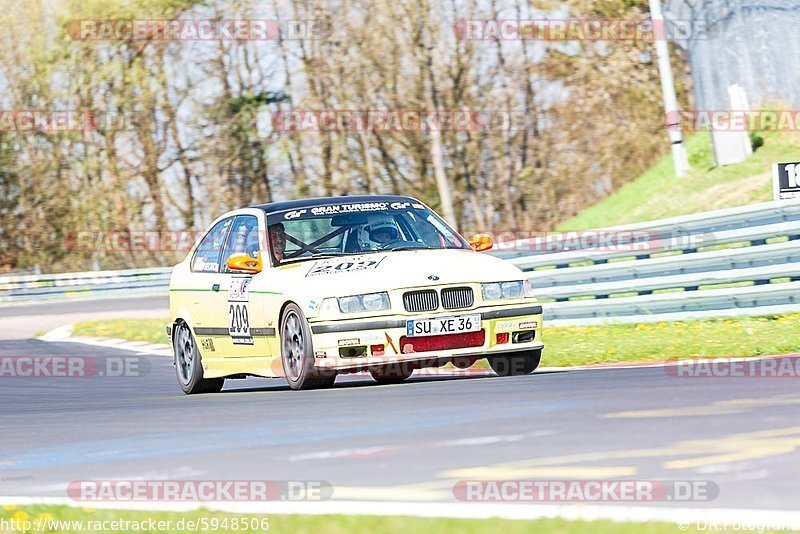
643, 342
151, 330
657, 193
322, 524
582, 345
48, 518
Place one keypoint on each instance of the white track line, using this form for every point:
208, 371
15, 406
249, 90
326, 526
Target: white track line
63, 334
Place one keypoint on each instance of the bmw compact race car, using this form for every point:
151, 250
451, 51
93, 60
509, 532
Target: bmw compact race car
309, 289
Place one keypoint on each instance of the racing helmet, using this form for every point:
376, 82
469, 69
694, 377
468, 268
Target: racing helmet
384, 227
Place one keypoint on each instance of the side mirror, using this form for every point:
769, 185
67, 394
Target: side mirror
245, 263
480, 242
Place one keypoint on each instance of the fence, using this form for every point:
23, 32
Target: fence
94, 284
684, 273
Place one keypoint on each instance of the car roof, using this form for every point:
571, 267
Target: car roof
274, 207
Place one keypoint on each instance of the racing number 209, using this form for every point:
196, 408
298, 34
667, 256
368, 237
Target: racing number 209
239, 319
345, 266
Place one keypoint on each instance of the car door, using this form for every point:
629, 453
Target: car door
199, 288
244, 313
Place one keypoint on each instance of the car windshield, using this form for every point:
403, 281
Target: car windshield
357, 228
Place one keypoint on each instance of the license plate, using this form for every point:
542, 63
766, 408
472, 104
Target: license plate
443, 325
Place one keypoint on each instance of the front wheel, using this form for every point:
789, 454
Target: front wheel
516, 363
297, 353
189, 366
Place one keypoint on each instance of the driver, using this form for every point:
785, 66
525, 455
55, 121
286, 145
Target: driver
383, 232
277, 240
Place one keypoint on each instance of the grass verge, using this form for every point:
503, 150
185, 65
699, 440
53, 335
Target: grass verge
150, 330
643, 342
657, 193
68, 520
582, 345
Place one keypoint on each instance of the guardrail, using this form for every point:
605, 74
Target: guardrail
716, 260
749, 300
91, 284
676, 232
657, 244
680, 274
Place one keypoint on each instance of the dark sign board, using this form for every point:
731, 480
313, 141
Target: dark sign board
786, 180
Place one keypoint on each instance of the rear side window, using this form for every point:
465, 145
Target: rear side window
209, 252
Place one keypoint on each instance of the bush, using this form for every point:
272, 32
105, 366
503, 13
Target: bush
756, 140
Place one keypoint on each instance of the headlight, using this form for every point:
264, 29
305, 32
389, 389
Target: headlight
329, 308
511, 290
491, 291
375, 301
350, 304
364, 303
505, 290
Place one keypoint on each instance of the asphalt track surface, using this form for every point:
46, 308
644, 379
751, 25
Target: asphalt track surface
24, 320
408, 442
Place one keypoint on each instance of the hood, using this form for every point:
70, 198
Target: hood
389, 270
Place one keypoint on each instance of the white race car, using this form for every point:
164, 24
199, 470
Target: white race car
308, 289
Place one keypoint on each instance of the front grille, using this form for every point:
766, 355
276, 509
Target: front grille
421, 301
454, 298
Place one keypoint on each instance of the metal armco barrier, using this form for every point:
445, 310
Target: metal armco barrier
90, 284
681, 273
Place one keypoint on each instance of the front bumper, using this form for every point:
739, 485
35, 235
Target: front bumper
347, 345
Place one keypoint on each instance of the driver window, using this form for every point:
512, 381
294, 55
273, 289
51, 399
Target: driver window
207, 256
428, 232
243, 239
444, 232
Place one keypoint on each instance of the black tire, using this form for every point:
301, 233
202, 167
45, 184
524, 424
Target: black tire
189, 364
297, 353
391, 374
516, 363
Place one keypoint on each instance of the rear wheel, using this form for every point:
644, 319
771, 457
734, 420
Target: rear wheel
189, 366
391, 374
516, 363
297, 353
